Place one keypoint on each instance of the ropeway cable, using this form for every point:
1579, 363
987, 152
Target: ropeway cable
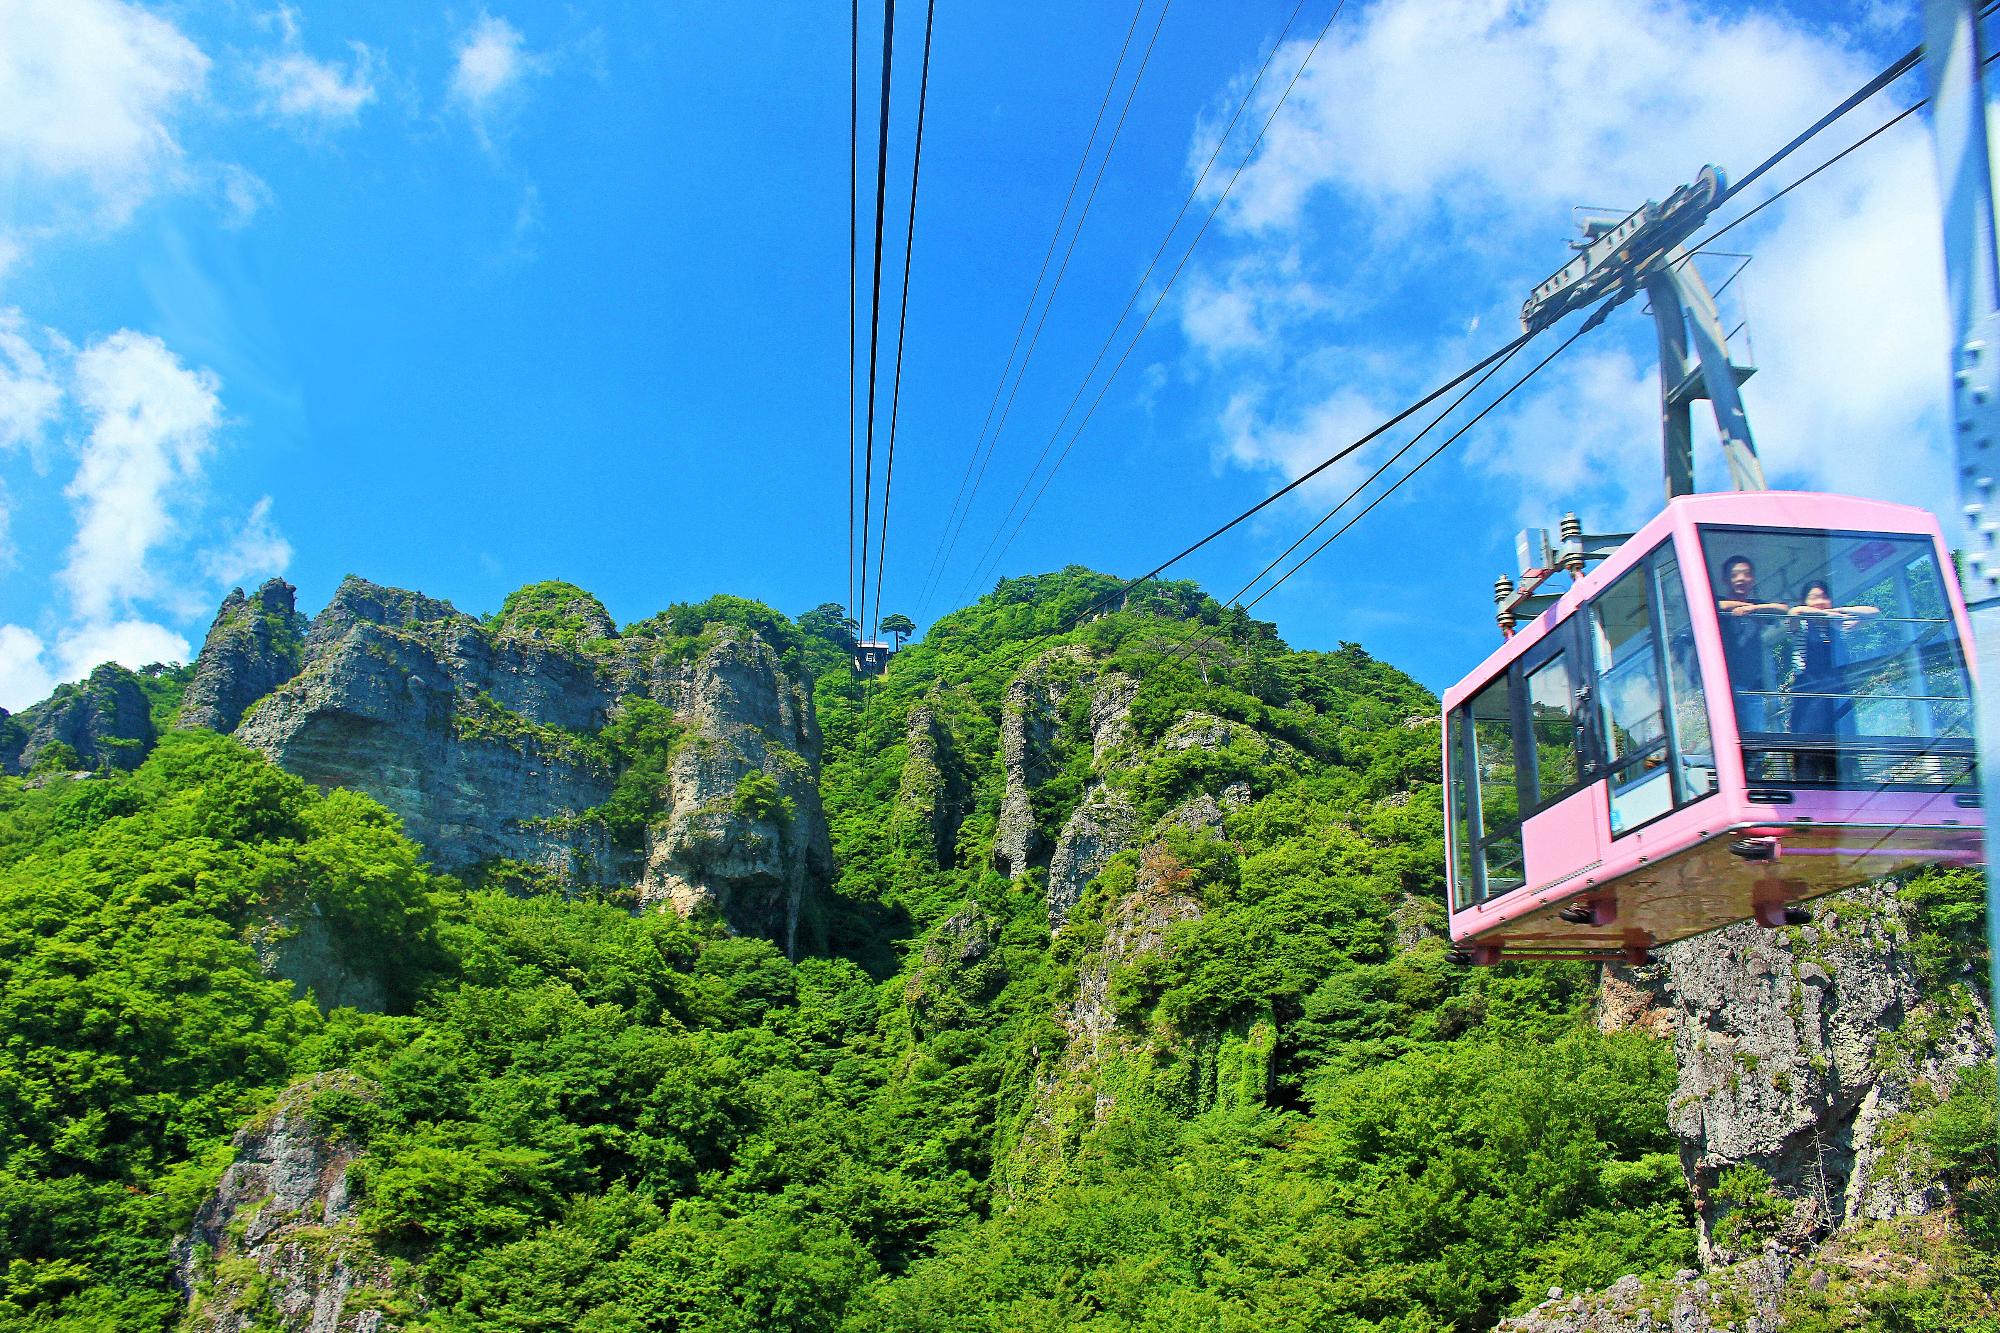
902, 318
1896, 70
1083, 160
1596, 318
875, 313
1160, 300
1076, 235
853, 247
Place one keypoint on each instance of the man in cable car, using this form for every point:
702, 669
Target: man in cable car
1746, 640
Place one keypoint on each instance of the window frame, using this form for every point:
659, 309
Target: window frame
1942, 568
1647, 569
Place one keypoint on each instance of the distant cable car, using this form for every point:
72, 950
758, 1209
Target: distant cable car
872, 658
1758, 698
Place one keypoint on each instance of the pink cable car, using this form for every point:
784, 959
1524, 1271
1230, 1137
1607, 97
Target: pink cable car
1760, 697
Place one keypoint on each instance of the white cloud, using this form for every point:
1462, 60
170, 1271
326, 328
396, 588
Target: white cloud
152, 423
88, 93
492, 65
258, 548
491, 60
23, 677
147, 424
29, 394
242, 195
130, 642
1422, 105
1430, 184
296, 87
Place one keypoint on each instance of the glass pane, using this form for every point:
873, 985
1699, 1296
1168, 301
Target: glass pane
1552, 706
1498, 793
1631, 702
1688, 710
1461, 816
1843, 657
1628, 670
1506, 867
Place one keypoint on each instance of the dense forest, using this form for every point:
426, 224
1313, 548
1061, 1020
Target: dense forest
1234, 1084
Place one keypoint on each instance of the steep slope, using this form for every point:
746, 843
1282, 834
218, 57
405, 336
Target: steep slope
1127, 1007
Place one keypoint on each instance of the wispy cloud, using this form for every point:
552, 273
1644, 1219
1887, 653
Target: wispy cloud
29, 394
305, 90
89, 93
146, 425
256, 547
491, 68
152, 427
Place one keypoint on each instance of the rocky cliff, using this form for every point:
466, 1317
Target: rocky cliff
498, 745
105, 721
253, 646
1798, 1051
279, 1244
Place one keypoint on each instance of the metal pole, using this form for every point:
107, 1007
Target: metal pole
1952, 64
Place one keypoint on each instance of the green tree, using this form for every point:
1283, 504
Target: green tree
902, 627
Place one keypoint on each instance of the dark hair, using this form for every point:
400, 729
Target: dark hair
1821, 584
1735, 560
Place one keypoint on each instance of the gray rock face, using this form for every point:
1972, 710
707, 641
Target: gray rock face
935, 793
1029, 719
719, 848
1745, 1300
305, 951
283, 1206
1102, 825
1076, 1085
1797, 1048
485, 743
468, 739
106, 719
254, 646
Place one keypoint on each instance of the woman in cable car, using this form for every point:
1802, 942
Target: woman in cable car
1676, 745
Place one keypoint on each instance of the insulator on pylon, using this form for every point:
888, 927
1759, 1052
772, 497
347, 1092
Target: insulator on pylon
1503, 598
1572, 545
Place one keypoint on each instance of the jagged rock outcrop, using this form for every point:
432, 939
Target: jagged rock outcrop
473, 740
1030, 716
254, 646
729, 844
935, 793
1798, 1048
1075, 1087
485, 741
1850, 1283
958, 968
105, 719
1103, 824
278, 1244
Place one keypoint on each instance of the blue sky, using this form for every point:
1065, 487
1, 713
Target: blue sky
463, 297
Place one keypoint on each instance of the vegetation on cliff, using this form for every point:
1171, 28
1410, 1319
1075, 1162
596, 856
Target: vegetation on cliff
1240, 1088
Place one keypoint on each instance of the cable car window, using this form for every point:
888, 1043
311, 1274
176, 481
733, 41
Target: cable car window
1552, 713
1462, 839
1631, 702
1495, 758
1687, 715
1843, 658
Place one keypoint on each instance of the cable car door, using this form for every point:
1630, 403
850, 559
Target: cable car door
1562, 790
